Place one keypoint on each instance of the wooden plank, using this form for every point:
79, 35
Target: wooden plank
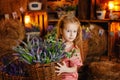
92, 9
84, 9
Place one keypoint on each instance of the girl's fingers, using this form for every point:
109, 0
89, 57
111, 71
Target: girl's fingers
57, 67
59, 73
59, 64
64, 63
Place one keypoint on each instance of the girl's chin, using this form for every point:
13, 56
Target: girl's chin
69, 41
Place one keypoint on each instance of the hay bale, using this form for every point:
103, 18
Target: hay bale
105, 70
10, 32
85, 49
97, 44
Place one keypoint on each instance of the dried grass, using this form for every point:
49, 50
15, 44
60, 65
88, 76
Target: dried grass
97, 44
10, 31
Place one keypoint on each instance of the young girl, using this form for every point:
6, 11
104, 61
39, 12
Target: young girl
69, 30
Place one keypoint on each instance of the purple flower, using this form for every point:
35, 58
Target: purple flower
86, 33
50, 28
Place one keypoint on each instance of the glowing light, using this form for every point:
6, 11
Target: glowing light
111, 5
27, 19
118, 28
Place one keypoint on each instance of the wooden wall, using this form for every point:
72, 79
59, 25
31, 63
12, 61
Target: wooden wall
84, 9
9, 6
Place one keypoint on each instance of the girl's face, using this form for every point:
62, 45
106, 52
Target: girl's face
69, 32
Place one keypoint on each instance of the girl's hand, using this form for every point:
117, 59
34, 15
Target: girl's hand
64, 68
61, 68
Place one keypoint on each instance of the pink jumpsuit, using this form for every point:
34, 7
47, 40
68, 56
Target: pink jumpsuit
74, 60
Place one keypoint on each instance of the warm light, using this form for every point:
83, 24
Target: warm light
27, 19
111, 5
116, 6
118, 28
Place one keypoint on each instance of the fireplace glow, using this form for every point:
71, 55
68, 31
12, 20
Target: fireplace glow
37, 18
27, 19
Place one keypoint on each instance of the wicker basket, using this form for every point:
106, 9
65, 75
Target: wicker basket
43, 71
5, 76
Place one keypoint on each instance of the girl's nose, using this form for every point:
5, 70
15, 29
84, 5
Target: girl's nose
71, 33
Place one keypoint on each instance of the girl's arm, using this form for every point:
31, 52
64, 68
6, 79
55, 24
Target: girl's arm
63, 68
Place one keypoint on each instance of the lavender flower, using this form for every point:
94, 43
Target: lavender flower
86, 33
33, 28
50, 28
42, 51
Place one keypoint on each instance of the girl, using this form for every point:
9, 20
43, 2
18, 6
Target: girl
69, 30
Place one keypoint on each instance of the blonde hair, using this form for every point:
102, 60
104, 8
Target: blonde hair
71, 19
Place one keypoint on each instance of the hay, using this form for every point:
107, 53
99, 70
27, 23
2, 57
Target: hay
85, 49
104, 70
97, 44
10, 31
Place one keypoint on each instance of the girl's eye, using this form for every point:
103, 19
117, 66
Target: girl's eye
75, 31
68, 30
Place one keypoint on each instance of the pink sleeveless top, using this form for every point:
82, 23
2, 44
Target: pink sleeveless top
72, 61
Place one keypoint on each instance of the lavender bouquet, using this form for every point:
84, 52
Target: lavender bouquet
33, 28
39, 50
